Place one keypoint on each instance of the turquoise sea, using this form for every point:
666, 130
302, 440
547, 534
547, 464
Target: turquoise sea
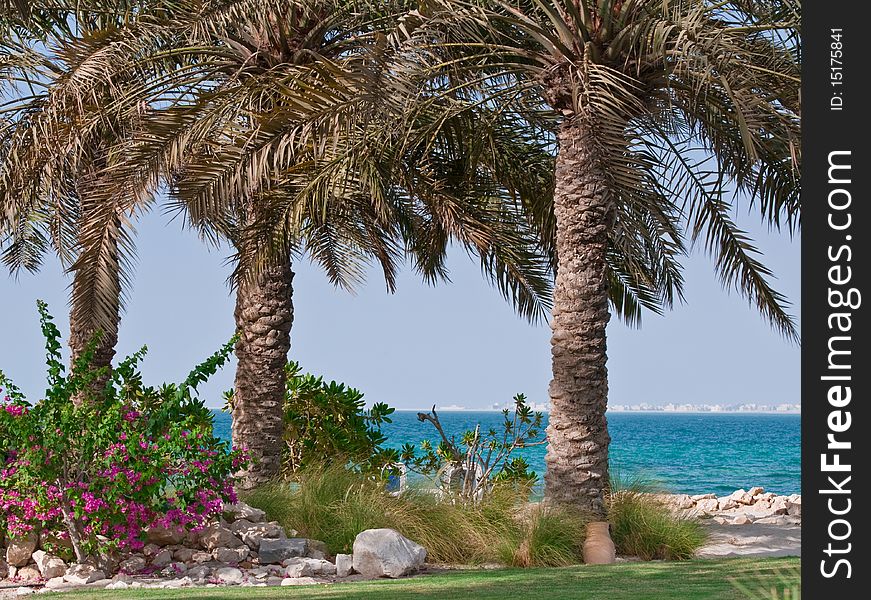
686, 453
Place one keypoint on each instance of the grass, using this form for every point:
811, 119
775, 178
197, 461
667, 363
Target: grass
641, 526
334, 505
687, 580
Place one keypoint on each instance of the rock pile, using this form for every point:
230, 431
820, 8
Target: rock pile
242, 548
741, 507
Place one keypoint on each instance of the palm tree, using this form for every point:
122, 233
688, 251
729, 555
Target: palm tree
674, 109
50, 163
240, 97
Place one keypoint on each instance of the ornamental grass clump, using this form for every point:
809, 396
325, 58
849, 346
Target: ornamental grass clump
94, 464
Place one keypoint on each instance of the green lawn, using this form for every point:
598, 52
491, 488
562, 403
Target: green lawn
692, 580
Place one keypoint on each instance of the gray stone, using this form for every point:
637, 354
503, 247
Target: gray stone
276, 551
229, 575
218, 536
162, 558
134, 564
253, 533
83, 573
201, 557
4, 569
299, 568
327, 568
386, 553
49, 566
240, 510
793, 509
344, 564
199, 572
150, 549
19, 549
230, 555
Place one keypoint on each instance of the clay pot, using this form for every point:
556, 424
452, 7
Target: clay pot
598, 547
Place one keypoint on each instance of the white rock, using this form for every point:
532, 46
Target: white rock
326, 568
741, 497
780, 506
707, 505
772, 520
793, 509
299, 581
229, 575
118, 585
698, 497
56, 583
742, 520
83, 574
19, 549
49, 566
24, 591
344, 564
386, 553
721, 520
756, 491
726, 503
299, 568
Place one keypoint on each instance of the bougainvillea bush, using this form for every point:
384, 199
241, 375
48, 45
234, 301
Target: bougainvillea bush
94, 465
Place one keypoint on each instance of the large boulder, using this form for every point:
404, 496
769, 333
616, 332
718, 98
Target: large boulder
240, 510
386, 553
218, 536
163, 536
276, 551
20, 548
49, 566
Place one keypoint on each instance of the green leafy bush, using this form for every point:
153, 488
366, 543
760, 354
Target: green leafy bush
95, 472
327, 422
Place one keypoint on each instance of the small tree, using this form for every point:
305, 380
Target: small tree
99, 472
469, 468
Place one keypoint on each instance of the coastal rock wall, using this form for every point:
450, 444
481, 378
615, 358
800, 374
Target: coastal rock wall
741, 507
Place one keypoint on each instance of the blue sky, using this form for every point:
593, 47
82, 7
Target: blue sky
458, 343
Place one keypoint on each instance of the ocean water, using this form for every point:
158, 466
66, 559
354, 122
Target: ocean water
681, 453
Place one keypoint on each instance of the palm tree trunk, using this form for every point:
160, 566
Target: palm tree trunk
264, 314
577, 453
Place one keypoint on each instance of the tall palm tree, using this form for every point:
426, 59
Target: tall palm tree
680, 108
50, 163
240, 97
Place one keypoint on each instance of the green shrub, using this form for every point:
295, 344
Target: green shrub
334, 504
642, 526
329, 422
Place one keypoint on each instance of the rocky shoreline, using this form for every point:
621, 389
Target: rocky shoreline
244, 549
741, 507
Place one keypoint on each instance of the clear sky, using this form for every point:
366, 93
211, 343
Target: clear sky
457, 343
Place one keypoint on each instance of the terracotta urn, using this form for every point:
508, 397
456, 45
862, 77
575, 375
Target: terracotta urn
598, 547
